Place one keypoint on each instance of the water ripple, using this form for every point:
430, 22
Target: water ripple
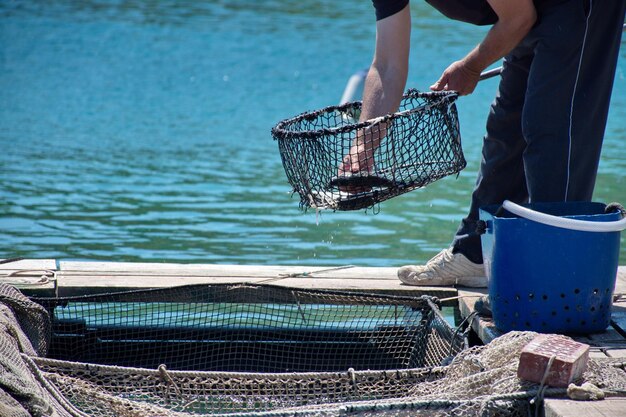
139, 131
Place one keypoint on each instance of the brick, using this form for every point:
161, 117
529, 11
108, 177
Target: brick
569, 364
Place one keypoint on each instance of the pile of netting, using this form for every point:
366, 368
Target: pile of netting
452, 379
393, 154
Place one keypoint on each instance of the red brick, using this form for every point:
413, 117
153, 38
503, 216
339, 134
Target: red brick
569, 364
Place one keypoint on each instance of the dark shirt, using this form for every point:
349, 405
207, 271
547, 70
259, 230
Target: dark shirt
472, 11
386, 8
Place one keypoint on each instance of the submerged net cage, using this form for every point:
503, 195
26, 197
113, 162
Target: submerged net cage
226, 348
335, 162
366, 355
250, 328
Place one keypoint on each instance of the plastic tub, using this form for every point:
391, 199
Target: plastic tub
550, 279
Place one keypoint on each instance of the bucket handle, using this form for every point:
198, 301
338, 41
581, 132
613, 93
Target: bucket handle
565, 223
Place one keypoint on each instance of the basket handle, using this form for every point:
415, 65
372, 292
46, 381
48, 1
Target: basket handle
565, 223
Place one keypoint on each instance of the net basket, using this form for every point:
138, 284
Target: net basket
394, 154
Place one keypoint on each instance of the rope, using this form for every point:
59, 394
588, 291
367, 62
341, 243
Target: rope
8, 260
459, 297
467, 320
167, 378
52, 390
45, 276
112, 369
538, 399
399, 405
352, 376
309, 273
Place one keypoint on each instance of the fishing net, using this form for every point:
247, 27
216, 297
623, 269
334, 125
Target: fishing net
478, 381
250, 328
335, 162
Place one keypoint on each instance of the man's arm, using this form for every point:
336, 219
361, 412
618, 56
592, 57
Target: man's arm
515, 19
387, 75
384, 86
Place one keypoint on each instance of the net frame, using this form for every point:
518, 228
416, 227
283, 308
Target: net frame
251, 328
105, 389
479, 381
419, 144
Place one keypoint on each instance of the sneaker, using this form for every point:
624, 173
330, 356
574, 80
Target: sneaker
445, 269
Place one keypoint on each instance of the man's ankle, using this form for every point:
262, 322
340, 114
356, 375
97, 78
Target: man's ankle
475, 257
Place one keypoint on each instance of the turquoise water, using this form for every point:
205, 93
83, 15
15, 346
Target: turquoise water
140, 131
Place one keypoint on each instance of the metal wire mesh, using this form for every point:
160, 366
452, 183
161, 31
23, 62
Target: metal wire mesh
250, 328
334, 162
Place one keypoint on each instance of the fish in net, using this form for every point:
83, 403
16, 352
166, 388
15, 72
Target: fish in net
335, 162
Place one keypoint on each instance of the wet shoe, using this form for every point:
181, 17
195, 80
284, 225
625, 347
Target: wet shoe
445, 269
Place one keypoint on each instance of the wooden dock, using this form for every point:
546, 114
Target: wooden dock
611, 344
47, 277
50, 277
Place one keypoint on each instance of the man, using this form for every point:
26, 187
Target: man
545, 127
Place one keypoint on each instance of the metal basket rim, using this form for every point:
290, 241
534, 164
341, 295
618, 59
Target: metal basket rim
279, 132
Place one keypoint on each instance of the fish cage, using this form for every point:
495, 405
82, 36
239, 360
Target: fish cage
250, 328
255, 350
238, 348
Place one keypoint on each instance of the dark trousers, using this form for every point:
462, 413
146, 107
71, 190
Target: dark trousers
546, 125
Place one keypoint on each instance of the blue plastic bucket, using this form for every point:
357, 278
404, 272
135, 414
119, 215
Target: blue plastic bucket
550, 279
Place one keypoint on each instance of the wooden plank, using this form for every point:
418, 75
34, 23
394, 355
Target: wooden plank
618, 318
35, 276
220, 270
617, 353
598, 354
609, 338
28, 264
80, 278
620, 283
484, 327
612, 342
369, 285
77, 285
72, 284
609, 407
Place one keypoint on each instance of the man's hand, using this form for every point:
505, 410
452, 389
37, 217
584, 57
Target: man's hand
515, 19
458, 77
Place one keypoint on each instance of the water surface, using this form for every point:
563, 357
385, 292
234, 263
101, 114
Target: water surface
140, 131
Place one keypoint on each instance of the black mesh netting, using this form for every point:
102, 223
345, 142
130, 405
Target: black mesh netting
250, 328
334, 162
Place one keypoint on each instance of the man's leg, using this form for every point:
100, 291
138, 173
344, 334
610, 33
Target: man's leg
501, 176
568, 98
